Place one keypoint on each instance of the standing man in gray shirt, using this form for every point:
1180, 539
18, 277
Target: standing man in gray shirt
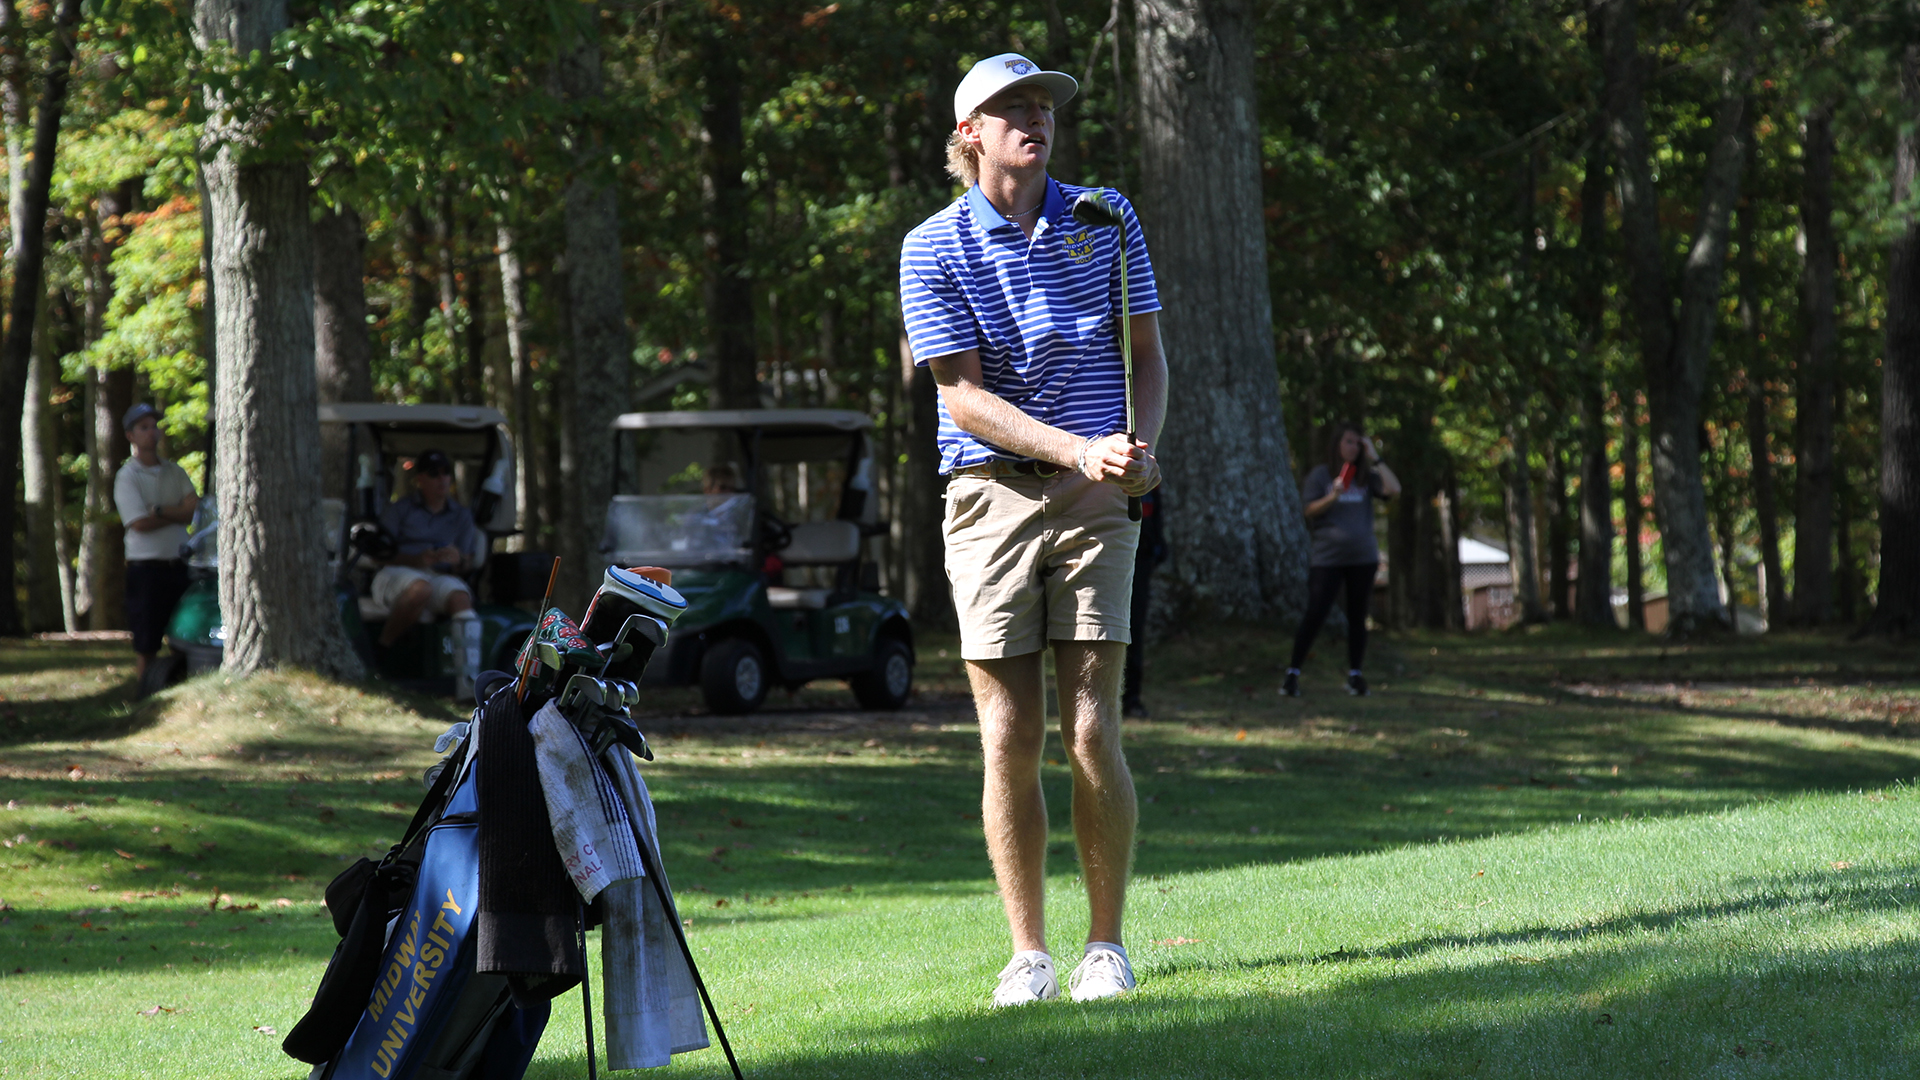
155, 498
1339, 499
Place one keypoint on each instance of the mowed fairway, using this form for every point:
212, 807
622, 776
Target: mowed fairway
1528, 855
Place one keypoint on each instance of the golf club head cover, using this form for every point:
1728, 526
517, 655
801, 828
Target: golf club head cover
625, 593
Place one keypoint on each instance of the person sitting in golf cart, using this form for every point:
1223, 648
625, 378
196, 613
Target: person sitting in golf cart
434, 540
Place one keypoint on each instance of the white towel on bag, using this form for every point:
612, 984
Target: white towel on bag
652, 1007
589, 815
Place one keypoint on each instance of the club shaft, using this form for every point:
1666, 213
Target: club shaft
1126, 360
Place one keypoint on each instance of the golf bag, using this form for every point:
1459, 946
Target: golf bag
400, 998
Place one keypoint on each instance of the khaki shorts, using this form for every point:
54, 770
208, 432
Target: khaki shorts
1035, 559
391, 581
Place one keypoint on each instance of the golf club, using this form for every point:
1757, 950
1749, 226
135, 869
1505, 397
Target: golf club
1092, 208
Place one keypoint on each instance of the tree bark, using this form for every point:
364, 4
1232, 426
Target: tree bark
1675, 350
1063, 163
29, 251
1898, 604
599, 360
513, 301
1813, 437
1773, 599
342, 348
729, 292
103, 542
275, 599
1233, 517
1594, 604
41, 489
1525, 561
1559, 537
1635, 512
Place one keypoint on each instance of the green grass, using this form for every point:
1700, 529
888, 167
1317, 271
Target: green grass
1529, 855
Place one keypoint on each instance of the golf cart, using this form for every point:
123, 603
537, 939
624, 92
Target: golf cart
379, 443
762, 515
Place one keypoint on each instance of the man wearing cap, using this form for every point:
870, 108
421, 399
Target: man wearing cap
156, 500
1015, 308
434, 538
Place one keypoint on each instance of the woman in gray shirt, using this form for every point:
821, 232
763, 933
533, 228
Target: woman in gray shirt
1339, 506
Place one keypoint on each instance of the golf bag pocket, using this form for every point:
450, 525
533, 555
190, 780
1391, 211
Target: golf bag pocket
362, 899
427, 964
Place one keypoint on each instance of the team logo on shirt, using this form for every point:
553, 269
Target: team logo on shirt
1019, 67
1079, 246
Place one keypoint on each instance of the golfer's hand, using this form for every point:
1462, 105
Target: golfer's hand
1143, 472
1108, 458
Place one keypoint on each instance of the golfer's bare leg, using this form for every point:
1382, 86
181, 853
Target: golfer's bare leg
1007, 695
406, 611
1104, 811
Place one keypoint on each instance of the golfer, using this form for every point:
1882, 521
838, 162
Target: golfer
1016, 307
156, 501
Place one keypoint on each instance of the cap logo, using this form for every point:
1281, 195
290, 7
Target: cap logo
1019, 67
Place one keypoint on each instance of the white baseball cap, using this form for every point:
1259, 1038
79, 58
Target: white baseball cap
996, 73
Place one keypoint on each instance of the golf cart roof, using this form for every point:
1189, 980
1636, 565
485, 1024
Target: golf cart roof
464, 417
832, 419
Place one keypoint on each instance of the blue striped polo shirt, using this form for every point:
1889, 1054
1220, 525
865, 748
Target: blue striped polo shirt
1042, 312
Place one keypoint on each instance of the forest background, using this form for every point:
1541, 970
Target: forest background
1623, 287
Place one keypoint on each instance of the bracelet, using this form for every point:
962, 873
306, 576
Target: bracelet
1080, 462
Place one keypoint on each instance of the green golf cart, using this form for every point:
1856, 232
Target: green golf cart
370, 447
763, 517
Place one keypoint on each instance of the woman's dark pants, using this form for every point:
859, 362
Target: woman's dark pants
1323, 582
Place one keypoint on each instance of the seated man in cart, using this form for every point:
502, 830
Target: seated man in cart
434, 540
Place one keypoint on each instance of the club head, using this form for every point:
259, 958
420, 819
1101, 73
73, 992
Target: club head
1092, 208
583, 686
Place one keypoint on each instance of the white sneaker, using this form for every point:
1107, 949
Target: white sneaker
1104, 973
1027, 978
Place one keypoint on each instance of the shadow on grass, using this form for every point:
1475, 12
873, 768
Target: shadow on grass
1627, 1008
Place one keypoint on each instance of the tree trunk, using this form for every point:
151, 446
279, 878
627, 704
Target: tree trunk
513, 301
29, 251
1773, 600
1813, 450
1233, 517
1898, 605
1524, 560
1559, 539
1635, 512
1064, 163
342, 348
275, 599
1675, 350
105, 551
42, 498
927, 594
599, 360
1594, 605
736, 383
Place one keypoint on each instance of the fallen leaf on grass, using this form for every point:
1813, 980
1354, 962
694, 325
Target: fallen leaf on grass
123, 854
157, 1010
1179, 941
265, 1029
1843, 865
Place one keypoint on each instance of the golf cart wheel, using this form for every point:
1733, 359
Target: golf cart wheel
167, 669
890, 681
734, 677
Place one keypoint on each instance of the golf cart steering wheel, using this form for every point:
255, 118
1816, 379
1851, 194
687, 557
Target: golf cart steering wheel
775, 534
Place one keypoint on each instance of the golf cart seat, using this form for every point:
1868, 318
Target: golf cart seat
822, 543
815, 543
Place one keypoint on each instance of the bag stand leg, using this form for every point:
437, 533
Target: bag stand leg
680, 935
586, 990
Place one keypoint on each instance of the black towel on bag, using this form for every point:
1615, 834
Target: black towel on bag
528, 906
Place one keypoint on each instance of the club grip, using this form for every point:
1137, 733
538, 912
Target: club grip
1133, 508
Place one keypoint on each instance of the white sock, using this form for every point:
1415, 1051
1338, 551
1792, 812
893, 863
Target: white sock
1092, 946
1351, 672
1032, 954
1293, 671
